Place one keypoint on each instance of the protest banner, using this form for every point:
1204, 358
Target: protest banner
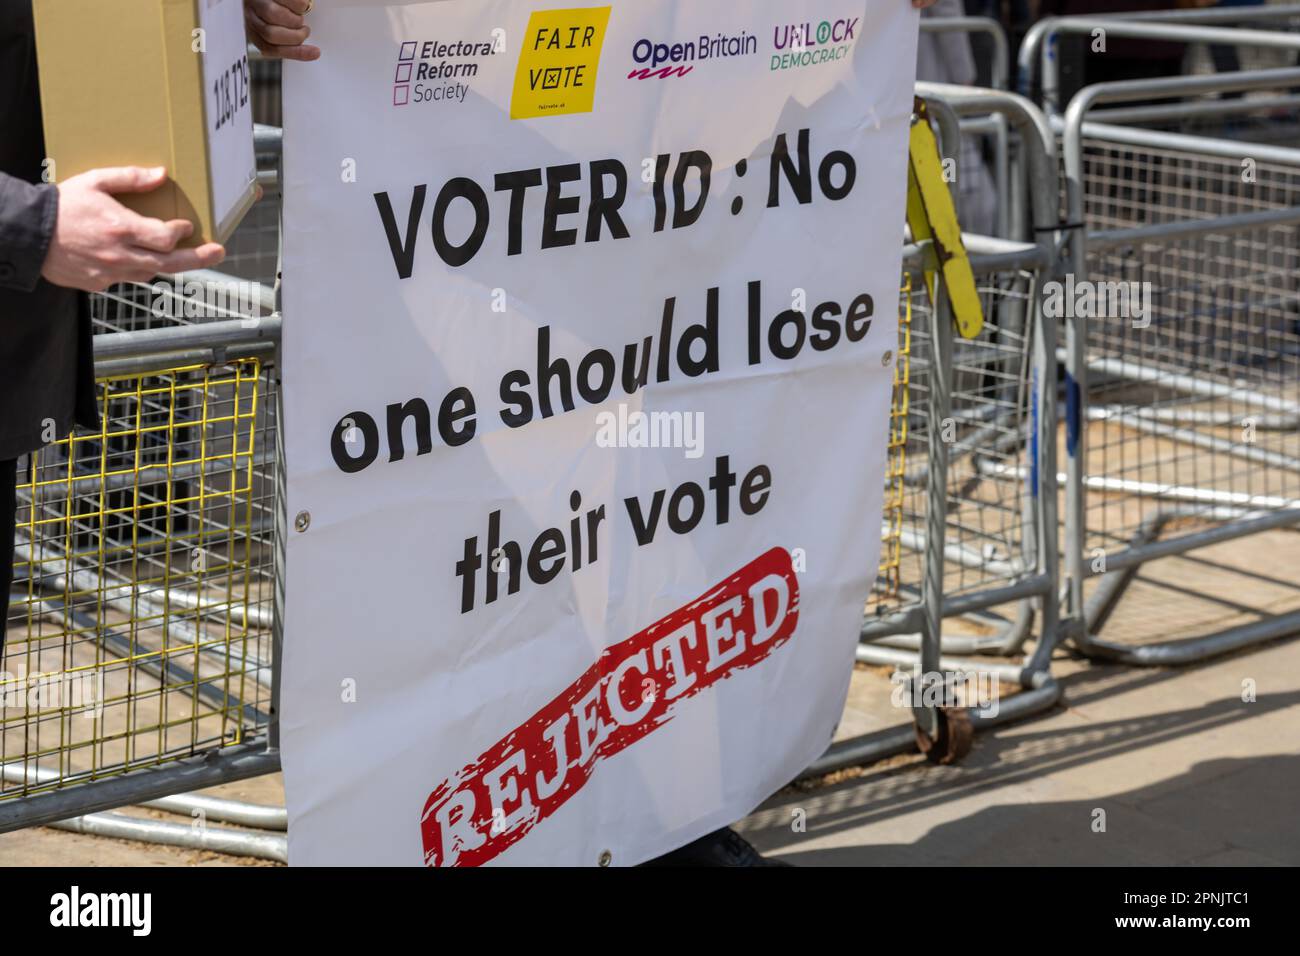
590, 311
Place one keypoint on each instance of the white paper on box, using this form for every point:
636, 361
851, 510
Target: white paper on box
227, 92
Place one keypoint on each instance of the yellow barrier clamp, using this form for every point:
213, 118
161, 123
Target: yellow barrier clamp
933, 217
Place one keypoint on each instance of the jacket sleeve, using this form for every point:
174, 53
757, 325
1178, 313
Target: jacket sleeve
27, 216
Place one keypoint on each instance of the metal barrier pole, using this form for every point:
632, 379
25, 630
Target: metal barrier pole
280, 539
1279, 11
1158, 112
238, 762
899, 630
1224, 225
939, 409
1201, 145
119, 826
256, 815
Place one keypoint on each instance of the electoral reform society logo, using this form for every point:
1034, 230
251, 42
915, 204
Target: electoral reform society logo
558, 63
437, 71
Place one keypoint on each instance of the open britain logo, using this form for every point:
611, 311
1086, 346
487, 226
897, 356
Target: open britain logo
656, 59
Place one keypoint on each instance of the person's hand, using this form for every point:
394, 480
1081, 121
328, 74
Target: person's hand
922, 4
278, 28
97, 241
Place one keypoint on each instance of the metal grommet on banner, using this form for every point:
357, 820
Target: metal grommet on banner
606, 858
302, 521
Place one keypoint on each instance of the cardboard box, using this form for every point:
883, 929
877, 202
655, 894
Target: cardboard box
153, 83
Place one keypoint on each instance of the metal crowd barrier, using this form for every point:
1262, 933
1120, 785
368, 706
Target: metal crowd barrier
1184, 425
140, 653
975, 521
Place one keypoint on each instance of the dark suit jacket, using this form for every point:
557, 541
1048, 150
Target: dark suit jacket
1119, 47
46, 363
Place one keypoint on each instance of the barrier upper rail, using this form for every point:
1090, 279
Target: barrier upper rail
1037, 49
1279, 11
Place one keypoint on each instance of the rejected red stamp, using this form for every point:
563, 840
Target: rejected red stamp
630, 690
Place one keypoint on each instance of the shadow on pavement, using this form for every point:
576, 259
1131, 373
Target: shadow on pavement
1240, 810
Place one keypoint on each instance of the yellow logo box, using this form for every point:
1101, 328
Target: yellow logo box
558, 62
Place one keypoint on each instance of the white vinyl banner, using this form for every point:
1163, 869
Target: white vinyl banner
590, 311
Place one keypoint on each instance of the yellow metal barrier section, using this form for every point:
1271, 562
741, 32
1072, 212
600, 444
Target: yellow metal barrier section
141, 606
896, 493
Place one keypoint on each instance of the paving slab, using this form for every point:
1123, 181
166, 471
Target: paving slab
1179, 768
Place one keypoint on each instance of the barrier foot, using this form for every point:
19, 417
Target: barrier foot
869, 748
952, 742
1192, 650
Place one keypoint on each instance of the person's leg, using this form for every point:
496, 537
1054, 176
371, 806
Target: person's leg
8, 504
723, 847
